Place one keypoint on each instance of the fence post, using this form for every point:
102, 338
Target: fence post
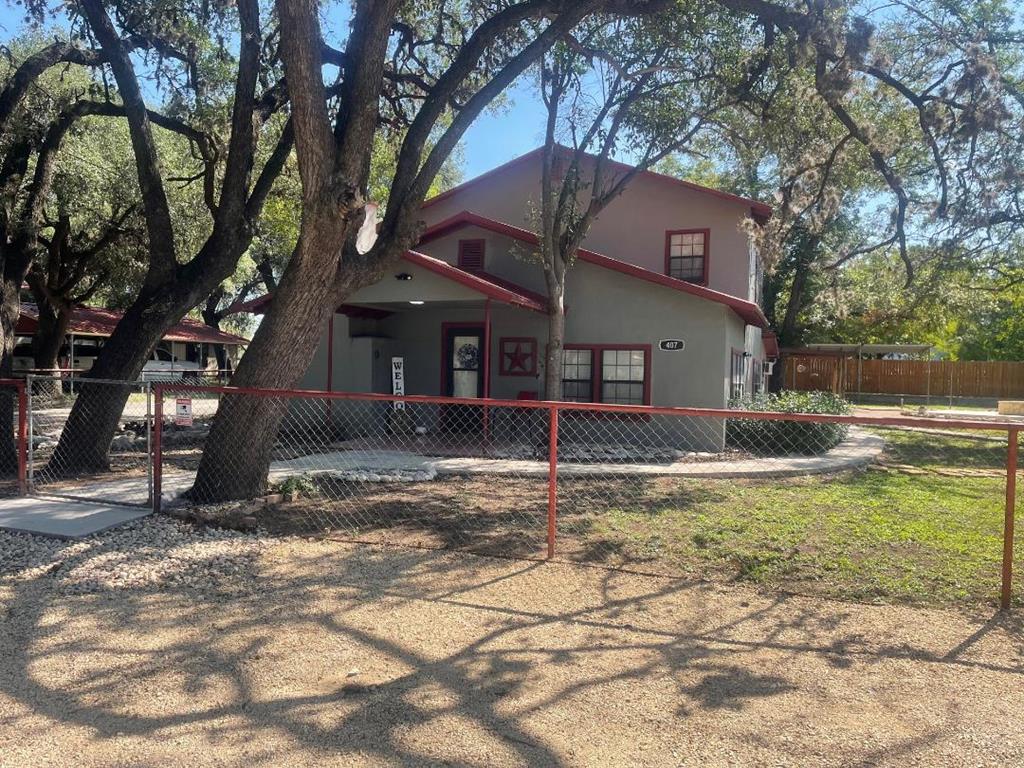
148, 389
1011, 502
158, 431
22, 439
29, 386
552, 479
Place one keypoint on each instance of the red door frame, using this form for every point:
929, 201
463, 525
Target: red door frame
446, 326
485, 326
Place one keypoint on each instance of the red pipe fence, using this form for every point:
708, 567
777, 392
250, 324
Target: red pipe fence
552, 437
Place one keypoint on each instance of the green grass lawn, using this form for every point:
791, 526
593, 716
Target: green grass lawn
877, 535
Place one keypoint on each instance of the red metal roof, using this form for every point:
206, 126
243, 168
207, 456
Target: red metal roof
760, 211
95, 321
748, 311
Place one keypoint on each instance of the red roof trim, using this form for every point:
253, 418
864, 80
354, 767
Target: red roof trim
760, 211
477, 283
748, 311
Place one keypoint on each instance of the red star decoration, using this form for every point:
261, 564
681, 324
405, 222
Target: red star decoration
519, 358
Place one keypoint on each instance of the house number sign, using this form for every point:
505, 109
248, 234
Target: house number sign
672, 345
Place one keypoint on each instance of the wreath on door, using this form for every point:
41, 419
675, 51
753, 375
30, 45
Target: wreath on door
468, 356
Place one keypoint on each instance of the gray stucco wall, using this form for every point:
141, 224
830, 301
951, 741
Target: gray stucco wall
604, 308
632, 228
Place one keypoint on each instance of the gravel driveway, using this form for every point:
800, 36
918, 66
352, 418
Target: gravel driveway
165, 645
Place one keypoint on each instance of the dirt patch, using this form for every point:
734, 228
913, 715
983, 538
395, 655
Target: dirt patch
359, 655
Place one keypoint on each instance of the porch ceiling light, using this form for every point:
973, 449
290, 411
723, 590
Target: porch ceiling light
417, 302
403, 276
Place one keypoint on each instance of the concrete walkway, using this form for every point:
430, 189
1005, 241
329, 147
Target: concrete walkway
859, 449
63, 518
105, 500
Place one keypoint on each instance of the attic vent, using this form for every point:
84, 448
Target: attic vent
471, 254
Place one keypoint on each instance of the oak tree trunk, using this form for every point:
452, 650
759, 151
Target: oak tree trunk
46, 344
85, 440
236, 458
10, 310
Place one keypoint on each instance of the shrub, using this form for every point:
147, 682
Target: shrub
775, 438
298, 485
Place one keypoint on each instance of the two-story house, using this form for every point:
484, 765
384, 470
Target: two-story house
667, 261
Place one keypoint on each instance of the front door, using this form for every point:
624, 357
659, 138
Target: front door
463, 374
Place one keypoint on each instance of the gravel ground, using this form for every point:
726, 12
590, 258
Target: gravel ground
164, 644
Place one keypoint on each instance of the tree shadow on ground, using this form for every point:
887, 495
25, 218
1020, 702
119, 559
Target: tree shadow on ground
498, 515
259, 660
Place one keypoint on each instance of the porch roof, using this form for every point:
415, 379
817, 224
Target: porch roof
487, 285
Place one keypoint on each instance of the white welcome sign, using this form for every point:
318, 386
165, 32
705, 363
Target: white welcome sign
398, 380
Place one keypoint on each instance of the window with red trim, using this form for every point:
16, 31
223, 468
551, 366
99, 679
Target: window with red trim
471, 254
618, 374
623, 376
578, 375
686, 254
737, 377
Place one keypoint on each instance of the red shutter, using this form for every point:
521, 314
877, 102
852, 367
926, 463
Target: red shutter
471, 254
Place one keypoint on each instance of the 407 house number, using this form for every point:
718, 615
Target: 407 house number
672, 345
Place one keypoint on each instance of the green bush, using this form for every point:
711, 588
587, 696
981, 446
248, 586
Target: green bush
775, 438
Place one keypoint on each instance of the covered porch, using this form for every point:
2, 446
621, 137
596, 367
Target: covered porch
453, 333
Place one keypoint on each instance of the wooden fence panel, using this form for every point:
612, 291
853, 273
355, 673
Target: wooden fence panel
939, 378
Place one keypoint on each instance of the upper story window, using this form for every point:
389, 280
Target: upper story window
471, 254
686, 254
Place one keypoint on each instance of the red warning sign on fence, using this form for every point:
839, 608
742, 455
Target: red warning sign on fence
183, 411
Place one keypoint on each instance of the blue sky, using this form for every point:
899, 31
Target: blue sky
515, 130
493, 139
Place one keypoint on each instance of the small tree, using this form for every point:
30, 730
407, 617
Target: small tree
92, 238
645, 85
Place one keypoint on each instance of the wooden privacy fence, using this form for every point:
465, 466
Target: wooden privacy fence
942, 378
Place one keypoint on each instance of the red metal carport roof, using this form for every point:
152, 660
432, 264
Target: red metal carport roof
95, 321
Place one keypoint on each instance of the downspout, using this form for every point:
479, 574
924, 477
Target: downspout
330, 353
330, 369
487, 365
487, 348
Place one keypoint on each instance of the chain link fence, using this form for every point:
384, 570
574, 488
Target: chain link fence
13, 422
865, 507
90, 439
